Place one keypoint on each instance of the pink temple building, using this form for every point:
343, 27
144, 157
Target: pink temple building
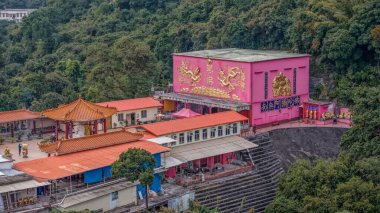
266, 86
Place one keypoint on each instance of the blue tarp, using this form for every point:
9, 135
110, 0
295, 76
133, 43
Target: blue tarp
156, 186
141, 189
157, 158
107, 171
93, 176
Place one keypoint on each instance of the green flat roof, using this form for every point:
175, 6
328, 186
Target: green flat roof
245, 55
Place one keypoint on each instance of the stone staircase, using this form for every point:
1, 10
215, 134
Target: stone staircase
253, 189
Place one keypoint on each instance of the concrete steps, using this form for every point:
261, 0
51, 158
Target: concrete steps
254, 189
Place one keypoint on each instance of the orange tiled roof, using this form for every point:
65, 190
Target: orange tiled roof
18, 115
90, 142
132, 104
79, 110
202, 121
55, 167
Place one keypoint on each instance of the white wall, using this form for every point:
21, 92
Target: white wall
126, 196
151, 116
14, 14
208, 134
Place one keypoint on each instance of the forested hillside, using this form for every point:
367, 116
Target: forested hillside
105, 50
22, 4
118, 49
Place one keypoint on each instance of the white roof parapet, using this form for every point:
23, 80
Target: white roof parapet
161, 140
243, 55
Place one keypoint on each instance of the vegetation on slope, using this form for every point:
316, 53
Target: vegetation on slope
121, 49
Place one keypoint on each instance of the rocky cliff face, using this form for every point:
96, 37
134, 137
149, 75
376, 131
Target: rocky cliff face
306, 143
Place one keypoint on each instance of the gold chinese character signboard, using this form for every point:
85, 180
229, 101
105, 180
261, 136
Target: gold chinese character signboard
281, 86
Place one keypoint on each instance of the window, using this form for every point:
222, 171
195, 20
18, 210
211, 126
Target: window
213, 131
115, 195
189, 137
220, 131
165, 144
120, 117
143, 113
266, 85
196, 135
174, 136
181, 138
228, 130
294, 81
204, 134
235, 128
173, 143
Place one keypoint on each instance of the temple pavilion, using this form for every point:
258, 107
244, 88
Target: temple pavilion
80, 118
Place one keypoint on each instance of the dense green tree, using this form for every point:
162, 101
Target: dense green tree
135, 164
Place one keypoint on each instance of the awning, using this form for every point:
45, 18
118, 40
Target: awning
199, 150
171, 161
185, 113
22, 185
203, 100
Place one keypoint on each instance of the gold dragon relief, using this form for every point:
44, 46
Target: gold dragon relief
210, 91
187, 75
234, 77
281, 86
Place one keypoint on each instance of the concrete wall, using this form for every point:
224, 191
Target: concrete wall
126, 196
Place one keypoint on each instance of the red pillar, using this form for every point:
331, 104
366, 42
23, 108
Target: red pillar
67, 130
56, 130
209, 110
210, 162
105, 125
96, 127
197, 163
170, 173
12, 130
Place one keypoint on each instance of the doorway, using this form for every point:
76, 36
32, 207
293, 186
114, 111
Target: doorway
133, 118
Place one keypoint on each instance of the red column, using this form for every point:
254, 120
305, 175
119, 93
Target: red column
67, 130
170, 173
56, 130
197, 163
210, 162
105, 125
96, 127
12, 130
